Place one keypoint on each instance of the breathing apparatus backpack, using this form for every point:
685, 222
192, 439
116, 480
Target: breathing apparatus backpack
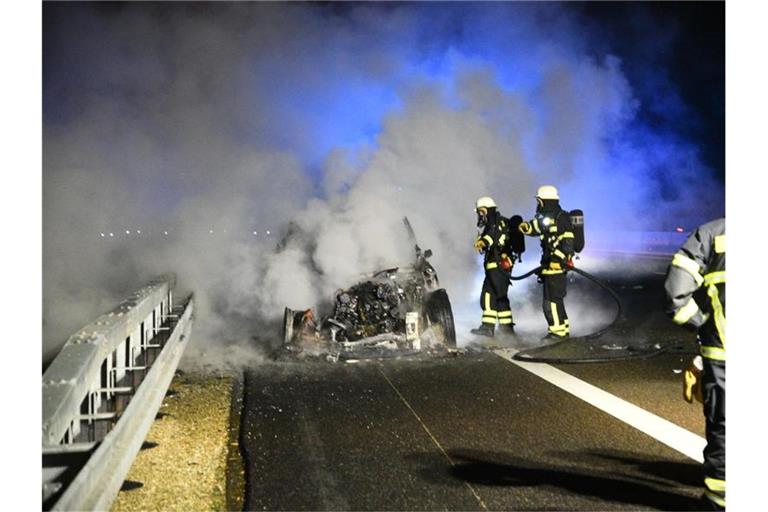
514, 244
577, 222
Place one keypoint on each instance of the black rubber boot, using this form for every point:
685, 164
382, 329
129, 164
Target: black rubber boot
484, 330
507, 329
552, 337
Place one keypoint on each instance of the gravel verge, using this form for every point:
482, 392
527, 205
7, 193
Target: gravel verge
183, 462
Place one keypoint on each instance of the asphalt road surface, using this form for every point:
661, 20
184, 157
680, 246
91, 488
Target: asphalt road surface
477, 431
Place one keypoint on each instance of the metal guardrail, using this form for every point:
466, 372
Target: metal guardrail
635, 242
102, 392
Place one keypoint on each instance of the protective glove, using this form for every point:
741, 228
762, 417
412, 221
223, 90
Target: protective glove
692, 381
480, 245
506, 263
696, 321
525, 228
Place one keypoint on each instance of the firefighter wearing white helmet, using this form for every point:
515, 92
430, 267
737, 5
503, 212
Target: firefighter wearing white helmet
547, 192
485, 202
490, 241
553, 226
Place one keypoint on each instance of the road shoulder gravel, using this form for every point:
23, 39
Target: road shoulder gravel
183, 462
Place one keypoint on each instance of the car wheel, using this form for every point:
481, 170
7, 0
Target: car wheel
439, 312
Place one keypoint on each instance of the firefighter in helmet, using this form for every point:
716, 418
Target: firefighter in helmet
490, 242
553, 226
695, 287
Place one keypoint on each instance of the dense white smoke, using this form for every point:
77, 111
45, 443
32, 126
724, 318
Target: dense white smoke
199, 126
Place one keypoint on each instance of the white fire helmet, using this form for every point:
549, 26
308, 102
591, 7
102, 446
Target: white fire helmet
485, 202
547, 192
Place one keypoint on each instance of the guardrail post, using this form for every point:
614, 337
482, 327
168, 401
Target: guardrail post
82, 387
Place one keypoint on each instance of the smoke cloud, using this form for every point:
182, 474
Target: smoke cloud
268, 152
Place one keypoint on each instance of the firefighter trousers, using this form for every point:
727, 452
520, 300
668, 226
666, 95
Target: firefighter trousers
713, 391
555, 289
493, 297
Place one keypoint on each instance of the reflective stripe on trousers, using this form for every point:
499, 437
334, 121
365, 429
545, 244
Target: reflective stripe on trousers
489, 315
714, 490
713, 391
561, 328
505, 317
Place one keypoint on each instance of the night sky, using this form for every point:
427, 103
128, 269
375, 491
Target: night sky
688, 61
673, 53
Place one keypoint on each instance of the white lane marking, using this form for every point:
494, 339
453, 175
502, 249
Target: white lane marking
434, 439
666, 432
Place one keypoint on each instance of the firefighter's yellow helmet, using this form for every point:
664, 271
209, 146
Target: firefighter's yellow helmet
547, 192
485, 202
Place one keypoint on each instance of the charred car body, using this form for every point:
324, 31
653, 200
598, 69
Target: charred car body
396, 311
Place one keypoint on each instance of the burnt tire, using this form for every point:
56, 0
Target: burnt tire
439, 312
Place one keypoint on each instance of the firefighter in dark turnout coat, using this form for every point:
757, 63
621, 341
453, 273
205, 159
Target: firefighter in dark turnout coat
498, 267
695, 286
553, 226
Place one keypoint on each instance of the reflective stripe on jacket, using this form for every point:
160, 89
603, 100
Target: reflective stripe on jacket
695, 287
553, 227
494, 234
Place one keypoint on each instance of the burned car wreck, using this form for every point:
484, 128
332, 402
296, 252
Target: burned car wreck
396, 311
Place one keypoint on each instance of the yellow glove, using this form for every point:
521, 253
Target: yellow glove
480, 245
525, 228
692, 381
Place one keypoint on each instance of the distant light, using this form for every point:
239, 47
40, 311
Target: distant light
127, 232
255, 233
165, 232
267, 231
138, 231
679, 229
210, 231
102, 235
111, 234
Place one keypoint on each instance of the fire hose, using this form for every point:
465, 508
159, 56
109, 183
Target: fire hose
635, 354
601, 284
